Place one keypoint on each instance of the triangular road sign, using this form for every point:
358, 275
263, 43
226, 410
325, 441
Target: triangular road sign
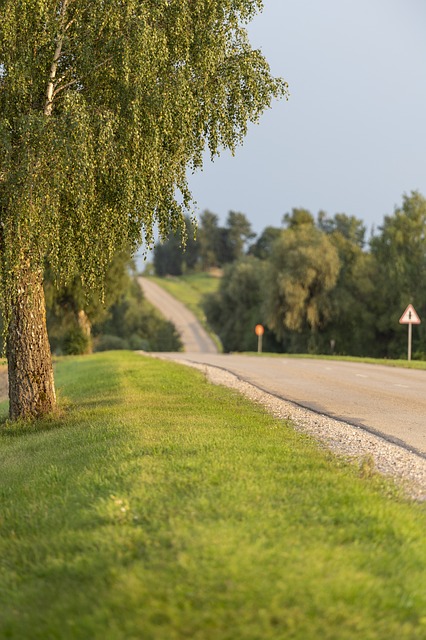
409, 316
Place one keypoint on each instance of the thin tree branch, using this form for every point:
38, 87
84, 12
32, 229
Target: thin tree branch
62, 87
48, 105
59, 88
67, 26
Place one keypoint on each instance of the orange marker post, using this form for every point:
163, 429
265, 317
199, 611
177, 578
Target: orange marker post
259, 331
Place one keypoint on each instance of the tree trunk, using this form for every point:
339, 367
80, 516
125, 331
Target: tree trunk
31, 384
86, 328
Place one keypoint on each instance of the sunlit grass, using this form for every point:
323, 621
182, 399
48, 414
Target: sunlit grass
412, 364
161, 507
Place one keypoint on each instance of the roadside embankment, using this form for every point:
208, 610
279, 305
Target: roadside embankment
369, 450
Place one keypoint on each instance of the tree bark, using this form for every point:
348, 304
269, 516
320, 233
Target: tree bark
31, 384
86, 328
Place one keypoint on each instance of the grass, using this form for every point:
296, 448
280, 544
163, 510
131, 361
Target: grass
161, 507
190, 290
412, 364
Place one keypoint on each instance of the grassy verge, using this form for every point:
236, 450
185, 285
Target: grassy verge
161, 507
412, 364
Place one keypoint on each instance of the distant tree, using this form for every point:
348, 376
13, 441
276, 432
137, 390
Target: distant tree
352, 322
224, 249
235, 309
71, 312
298, 217
303, 270
77, 322
239, 233
132, 323
208, 238
222, 245
103, 106
191, 254
351, 326
400, 253
168, 258
179, 253
263, 246
349, 227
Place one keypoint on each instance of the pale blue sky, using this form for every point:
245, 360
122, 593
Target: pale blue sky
352, 137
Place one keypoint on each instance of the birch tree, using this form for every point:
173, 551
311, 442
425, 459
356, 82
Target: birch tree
103, 107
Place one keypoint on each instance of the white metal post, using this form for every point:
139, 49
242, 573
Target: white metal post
410, 331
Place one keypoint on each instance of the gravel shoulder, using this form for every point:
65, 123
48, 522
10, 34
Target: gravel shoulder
406, 468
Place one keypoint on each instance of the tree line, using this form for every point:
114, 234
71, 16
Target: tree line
316, 283
205, 247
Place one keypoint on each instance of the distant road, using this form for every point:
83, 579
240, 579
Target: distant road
194, 338
385, 400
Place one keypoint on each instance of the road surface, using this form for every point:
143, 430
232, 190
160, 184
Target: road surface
385, 400
194, 338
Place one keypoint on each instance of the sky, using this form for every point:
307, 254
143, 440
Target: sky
352, 136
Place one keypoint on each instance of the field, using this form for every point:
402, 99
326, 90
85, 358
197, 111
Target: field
190, 290
157, 506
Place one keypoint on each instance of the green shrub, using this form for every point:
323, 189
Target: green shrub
75, 342
110, 343
136, 343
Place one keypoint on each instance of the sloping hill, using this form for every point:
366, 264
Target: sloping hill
194, 337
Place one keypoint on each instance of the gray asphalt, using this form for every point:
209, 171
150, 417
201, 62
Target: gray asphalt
194, 338
385, 400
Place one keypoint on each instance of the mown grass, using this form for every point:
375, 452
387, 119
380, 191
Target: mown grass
161, 507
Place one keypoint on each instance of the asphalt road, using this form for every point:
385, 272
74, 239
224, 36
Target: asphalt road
385, 400
195, 339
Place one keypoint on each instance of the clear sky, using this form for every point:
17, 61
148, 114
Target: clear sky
352, 137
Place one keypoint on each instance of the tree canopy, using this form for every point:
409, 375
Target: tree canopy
214, 246
304, 269
102, 107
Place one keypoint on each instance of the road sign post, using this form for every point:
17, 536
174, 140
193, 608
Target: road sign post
410, 340
410, 317
259, 331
